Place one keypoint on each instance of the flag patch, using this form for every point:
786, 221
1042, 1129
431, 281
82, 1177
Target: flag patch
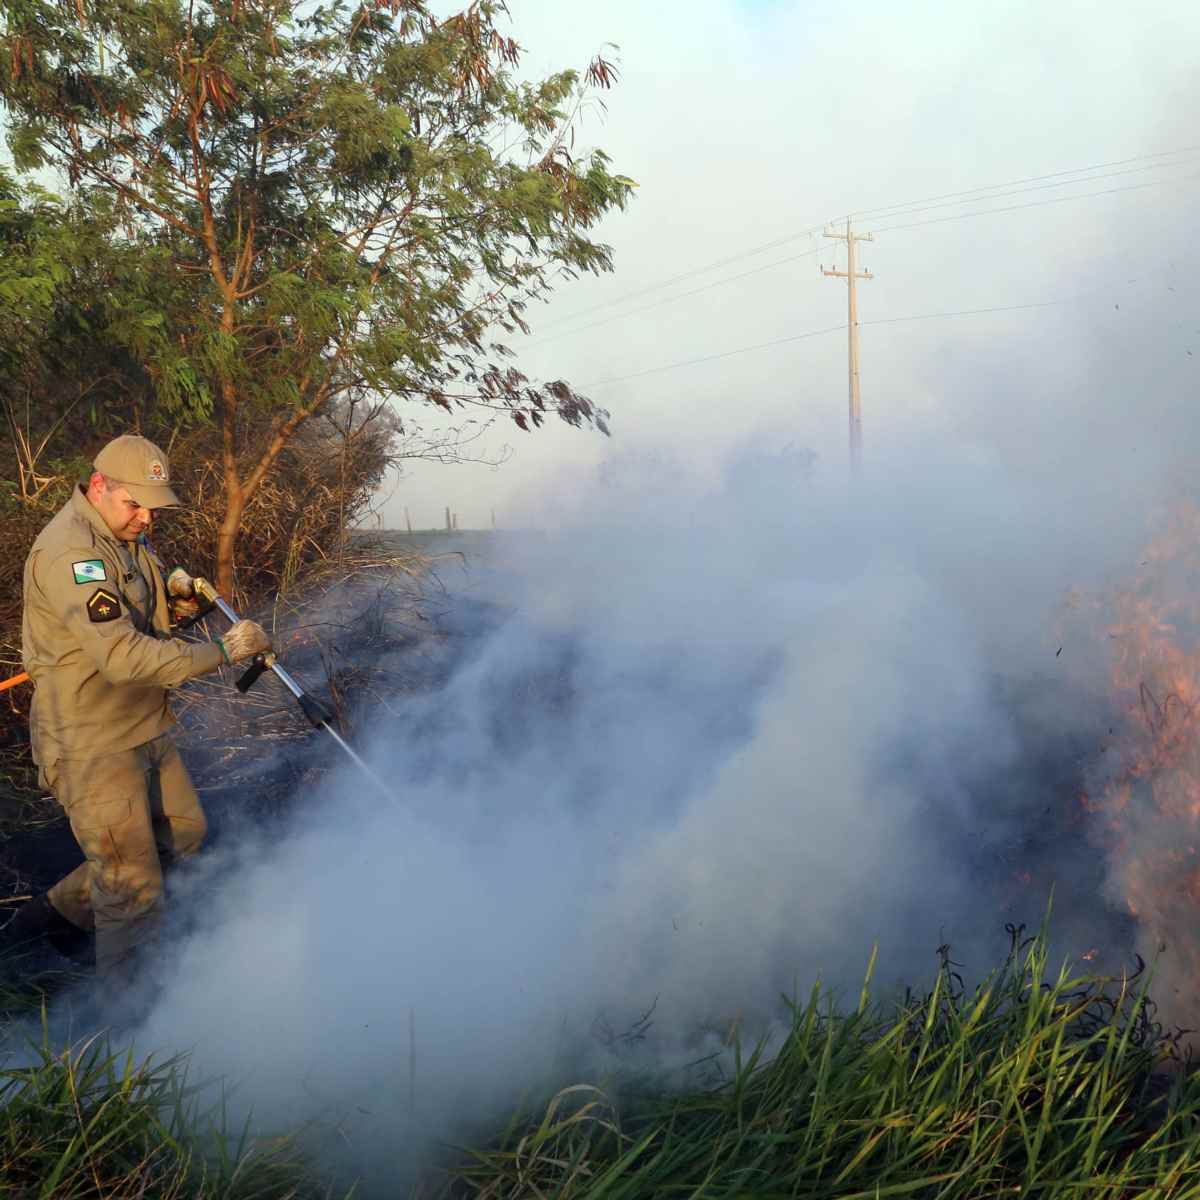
91, 570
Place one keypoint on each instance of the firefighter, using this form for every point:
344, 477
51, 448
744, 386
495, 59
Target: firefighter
96, 641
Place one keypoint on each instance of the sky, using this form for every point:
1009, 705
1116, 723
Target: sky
747, 122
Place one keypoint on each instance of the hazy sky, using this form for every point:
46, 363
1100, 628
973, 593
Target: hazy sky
748, 121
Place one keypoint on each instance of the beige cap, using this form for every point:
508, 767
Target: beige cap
140, 466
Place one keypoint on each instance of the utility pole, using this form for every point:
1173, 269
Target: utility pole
850, 275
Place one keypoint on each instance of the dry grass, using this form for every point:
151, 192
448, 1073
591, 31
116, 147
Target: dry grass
294, 551
333, 635
294, 530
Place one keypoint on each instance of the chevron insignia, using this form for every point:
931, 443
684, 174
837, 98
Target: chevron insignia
102, 605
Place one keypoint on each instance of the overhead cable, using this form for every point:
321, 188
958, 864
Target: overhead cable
703, 270
539, 339
691, 362
908, 208
1023, 191
987, 212
968, 312
779, 262
972, 193
797, 337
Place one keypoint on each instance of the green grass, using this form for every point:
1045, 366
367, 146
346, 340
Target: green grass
1036, 1083
87, 1122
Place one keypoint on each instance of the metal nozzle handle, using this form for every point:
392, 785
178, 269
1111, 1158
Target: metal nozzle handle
250, 676
206, 590
317, 714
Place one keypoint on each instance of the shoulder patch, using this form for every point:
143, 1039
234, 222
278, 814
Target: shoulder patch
91, 570
103, 605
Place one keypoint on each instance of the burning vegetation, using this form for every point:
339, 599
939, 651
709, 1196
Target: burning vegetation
1146, 795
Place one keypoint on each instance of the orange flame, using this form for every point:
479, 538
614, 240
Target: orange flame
1150, 806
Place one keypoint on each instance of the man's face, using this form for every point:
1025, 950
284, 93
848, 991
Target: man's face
121, 512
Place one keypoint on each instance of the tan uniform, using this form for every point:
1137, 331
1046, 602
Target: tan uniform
96, 643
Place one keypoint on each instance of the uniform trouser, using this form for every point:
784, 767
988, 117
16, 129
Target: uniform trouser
131, 813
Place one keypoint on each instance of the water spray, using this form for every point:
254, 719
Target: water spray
317, 714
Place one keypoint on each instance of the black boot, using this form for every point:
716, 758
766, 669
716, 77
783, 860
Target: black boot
79, 945
38, 921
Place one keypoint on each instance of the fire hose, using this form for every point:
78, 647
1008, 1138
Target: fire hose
318, 716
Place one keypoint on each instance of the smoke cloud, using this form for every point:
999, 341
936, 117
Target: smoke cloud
703, 744
726, 719
725, 723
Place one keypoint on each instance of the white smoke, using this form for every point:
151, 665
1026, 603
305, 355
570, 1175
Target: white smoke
708, 742
732, 721
725, 726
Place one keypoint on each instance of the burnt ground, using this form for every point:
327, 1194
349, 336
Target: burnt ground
380, 640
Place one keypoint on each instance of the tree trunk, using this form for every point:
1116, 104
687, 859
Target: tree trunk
235, 496
238, 491
235, 501
227, 542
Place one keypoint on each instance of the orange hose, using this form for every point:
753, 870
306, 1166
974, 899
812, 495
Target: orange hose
7, 683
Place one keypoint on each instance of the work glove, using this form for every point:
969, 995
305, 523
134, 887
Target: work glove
182, 591
179, 583
244, 640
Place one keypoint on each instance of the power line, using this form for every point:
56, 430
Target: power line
541, 339
691, 362
987, 212
779, 262
907, 208
971, 193
797, 337
712, 266
967, 312
1022, 191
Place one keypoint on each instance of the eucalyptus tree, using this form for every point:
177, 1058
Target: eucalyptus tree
334, 198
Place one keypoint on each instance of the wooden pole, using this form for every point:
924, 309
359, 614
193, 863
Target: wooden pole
851, 277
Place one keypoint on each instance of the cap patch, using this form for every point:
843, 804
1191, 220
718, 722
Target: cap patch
91, 570
102, 605
156, 472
